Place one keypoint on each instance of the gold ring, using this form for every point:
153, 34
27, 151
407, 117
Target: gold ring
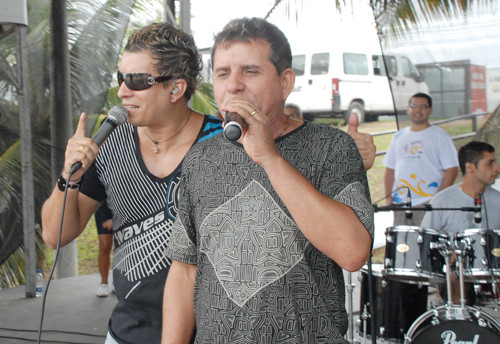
81, 149
253, 112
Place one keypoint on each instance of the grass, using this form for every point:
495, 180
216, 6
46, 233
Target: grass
88, 250
88, 244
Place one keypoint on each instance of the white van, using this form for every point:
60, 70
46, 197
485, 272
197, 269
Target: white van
339, 82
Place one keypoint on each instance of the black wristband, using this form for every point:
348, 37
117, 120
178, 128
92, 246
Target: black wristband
61, 184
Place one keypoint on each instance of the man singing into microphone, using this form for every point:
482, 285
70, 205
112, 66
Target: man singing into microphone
267, 223
480, 170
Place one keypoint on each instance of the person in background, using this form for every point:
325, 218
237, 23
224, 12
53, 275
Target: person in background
266, 224
137, 174
480, 170
421, 161
104, 224
363, 141
293, 111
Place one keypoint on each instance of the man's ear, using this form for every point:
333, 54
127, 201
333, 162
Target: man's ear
469, 167
287, 82
177, 89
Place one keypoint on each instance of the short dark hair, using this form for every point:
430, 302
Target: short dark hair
247, 29
473, 152
297, 108
421, 95
173, 50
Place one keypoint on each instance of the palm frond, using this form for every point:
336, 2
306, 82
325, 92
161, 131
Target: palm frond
203, 100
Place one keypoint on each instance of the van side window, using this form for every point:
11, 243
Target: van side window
409, 69
320, 63
299, 64
356, 64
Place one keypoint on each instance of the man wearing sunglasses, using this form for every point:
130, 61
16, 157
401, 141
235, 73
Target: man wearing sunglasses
137, 173
421, 160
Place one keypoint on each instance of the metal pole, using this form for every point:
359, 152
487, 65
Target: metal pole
26, 162
61, 126
185, 15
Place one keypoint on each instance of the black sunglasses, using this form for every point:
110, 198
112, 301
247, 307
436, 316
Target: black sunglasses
139, 81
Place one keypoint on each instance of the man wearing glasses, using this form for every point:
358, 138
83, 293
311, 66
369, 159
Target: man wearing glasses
421, 161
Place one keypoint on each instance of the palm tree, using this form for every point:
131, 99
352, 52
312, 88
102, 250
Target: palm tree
91, 24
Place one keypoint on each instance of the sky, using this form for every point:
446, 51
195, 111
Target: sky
317, 21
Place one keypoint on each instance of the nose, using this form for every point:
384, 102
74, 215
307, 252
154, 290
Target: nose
234, 84
123, 91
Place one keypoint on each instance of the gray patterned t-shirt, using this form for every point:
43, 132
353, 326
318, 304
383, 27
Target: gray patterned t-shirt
259, 280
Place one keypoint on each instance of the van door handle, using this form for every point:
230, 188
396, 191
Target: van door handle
403, 82
310, 81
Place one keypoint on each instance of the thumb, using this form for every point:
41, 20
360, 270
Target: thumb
353, 123
80, 129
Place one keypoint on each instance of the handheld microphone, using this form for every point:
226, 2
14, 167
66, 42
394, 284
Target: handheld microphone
116, 116
234, 126
408, 213
477, 215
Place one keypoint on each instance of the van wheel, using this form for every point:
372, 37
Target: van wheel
358, 109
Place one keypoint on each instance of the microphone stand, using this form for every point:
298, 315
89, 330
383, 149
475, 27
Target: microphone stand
426, 207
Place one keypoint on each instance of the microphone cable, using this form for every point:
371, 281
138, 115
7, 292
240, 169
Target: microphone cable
56, 256
488, 249
390, 193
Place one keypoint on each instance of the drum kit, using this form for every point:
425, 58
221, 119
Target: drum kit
417, 259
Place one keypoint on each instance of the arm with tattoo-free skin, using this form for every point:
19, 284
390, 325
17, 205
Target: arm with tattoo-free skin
79, 208
178, 306
332, 227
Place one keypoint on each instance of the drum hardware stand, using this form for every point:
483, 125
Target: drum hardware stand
364, 317
350, 287
452, 312
460, 258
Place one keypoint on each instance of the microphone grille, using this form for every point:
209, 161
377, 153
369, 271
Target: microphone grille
119, 114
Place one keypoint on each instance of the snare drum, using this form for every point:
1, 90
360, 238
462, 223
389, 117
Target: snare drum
395, 305
454, 324
411, 257
482, 259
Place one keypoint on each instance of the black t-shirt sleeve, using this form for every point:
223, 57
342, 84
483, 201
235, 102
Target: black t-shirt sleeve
91, 186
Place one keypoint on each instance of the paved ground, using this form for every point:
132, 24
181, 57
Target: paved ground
73, 313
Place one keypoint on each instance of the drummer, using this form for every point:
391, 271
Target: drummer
480, 170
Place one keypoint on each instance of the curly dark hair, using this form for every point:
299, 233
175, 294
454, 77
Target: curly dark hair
246, 29
174, 51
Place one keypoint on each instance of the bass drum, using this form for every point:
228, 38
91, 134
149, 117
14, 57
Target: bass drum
454, 324
395, 307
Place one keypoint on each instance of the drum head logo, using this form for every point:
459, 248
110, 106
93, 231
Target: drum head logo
449, 337
403, 248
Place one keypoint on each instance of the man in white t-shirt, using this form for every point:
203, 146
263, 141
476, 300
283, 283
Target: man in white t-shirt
421, 161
